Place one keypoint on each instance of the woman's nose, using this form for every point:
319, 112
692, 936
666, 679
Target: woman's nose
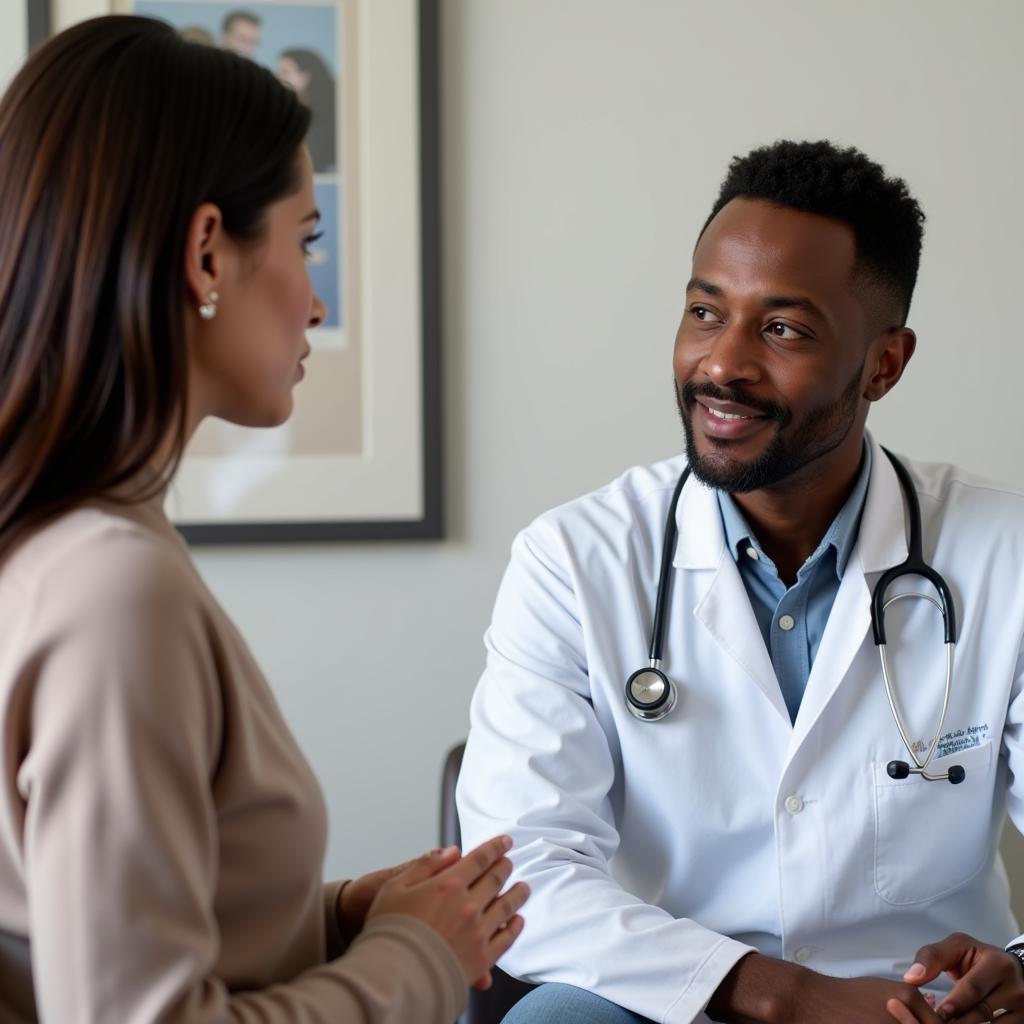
318, 313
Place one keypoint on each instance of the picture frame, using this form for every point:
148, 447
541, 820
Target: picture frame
37, 18
360, 459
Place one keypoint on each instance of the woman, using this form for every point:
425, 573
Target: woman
306, 73
161, 836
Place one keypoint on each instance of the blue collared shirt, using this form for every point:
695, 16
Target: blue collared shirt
792, 621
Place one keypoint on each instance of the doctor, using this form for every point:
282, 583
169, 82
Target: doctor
748, 856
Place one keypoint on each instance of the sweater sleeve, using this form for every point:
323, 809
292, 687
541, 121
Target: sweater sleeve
120, 831
336, 944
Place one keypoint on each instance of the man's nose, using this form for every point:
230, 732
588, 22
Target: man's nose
733, 355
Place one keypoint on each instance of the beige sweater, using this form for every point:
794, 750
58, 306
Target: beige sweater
161, 835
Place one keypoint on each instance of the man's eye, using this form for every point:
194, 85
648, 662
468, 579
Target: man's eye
702, 313
784, 331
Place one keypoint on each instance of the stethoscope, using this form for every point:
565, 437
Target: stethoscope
651, 695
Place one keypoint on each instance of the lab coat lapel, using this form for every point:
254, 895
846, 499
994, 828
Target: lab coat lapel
881, 543
725, 609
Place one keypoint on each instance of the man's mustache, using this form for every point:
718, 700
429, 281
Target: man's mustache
689, 392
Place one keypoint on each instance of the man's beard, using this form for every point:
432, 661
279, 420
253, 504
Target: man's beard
822, 430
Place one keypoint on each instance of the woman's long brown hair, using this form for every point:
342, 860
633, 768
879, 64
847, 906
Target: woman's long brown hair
111, 136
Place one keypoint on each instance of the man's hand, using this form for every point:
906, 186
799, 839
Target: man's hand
989, 982
760, 990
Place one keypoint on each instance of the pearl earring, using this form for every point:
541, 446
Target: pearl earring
208, 310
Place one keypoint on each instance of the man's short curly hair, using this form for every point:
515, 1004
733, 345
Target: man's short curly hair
819, 177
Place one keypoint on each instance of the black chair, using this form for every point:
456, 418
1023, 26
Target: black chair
491, 1006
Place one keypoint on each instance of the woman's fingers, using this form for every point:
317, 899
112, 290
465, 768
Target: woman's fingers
422, 868
475, 864
504, 907
491, 882
504, 937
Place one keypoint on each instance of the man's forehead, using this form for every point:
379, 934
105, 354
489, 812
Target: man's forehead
752, 237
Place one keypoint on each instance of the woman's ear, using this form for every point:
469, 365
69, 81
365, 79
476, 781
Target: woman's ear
204, 254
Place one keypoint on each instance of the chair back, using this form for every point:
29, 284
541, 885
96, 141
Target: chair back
491, 1006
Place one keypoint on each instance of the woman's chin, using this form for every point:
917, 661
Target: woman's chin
264, 416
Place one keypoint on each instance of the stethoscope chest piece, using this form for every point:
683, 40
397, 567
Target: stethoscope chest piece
650, 694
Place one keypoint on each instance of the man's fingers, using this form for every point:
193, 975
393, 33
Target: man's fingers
901, 1012
923, 970
946, 955
977, 986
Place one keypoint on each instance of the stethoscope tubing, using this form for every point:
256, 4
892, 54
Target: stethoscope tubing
639, 685
665, 576
913, 565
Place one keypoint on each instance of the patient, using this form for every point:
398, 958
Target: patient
161, 835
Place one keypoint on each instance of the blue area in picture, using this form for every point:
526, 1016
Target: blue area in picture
295, 42
325, 263
284, 26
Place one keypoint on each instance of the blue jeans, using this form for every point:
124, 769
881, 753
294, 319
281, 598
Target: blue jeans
565, 1004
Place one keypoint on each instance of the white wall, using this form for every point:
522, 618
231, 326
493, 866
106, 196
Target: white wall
13, 39
583, 144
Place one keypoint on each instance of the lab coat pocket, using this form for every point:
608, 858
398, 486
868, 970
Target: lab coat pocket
909, 867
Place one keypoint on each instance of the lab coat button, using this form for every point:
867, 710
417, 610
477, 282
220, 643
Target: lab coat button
802, 955
787, 622
794, 805
752, 552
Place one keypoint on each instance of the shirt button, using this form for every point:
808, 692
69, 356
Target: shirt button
787, 622
802, 955
753, 553
794, 804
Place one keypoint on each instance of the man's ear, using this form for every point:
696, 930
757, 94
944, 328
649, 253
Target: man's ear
888, 356
204, 253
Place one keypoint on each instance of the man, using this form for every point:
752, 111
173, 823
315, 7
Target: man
241, 32
749, 856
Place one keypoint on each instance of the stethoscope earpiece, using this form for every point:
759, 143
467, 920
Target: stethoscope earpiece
901, 770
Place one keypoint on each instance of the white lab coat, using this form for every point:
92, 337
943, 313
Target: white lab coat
659, 853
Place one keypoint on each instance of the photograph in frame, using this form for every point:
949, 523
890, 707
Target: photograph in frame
360, 457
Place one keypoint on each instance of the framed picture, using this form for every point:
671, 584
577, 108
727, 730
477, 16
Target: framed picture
360, 457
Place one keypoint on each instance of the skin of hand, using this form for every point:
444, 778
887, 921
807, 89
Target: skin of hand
461, 898
356, 896
987, 979
761, 990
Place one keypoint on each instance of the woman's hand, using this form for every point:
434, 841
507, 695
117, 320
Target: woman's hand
461, 899
357, 895
989, 981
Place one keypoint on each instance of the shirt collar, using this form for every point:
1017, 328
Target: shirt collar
840, 536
